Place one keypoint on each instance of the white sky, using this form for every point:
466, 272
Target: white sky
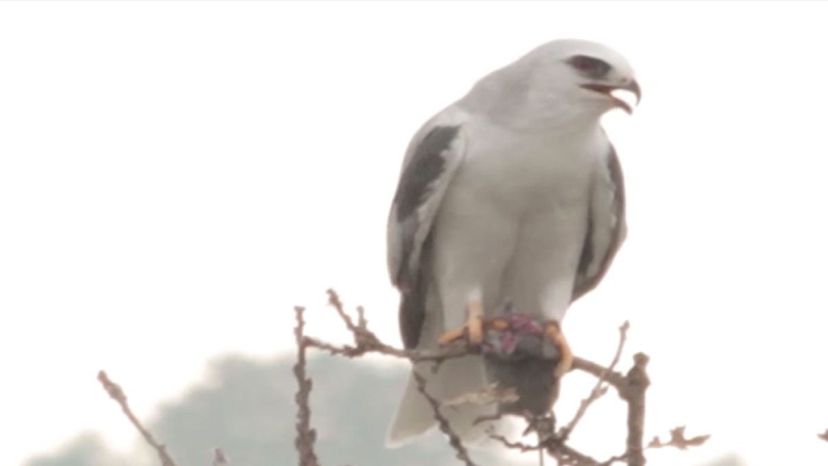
175, 176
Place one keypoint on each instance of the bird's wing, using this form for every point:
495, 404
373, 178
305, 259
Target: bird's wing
431, 161
606, 225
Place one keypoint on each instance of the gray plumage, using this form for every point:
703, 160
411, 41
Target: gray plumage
511, 195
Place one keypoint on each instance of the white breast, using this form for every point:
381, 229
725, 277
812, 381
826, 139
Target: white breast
527, 171
514, 219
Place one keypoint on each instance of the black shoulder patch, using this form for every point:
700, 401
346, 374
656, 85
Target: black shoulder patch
425, 166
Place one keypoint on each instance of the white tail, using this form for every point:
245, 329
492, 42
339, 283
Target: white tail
454, 378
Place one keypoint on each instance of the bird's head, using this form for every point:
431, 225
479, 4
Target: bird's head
560, 82
583, 75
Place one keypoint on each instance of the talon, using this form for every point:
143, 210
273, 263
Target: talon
475, 323
554, 333
497, 324
451, 335
472, 329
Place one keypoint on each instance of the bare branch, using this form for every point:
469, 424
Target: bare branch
563, 454
634, 390
568, 456
615, 459
678, 440
117, 393
443, 423
614, 378
631, 387
363, 348
305, 434
600, 389
336, 303
514, 445
366, 341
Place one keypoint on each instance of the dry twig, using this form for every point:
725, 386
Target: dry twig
678, 440
443, 423
563, 454
117, 393
631, 387
366, 341
555, 442
600, 388
633, 392
305, 434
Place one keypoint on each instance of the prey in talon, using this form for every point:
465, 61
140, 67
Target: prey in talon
528, 356
472, 330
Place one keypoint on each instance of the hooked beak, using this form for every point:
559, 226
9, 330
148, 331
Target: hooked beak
631, 86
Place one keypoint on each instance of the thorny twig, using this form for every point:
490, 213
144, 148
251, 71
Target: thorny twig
117, 393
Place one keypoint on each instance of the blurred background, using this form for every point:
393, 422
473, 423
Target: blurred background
175, 176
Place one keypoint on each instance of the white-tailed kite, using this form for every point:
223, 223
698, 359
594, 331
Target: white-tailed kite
510, 199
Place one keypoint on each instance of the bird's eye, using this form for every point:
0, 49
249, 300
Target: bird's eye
590, 66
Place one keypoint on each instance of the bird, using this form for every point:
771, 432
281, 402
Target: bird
509, 207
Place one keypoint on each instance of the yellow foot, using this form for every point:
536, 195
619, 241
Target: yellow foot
472, 329
554, 333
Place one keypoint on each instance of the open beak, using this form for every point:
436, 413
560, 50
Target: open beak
631, 87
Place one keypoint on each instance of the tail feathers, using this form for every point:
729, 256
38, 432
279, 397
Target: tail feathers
413, 418
415, 415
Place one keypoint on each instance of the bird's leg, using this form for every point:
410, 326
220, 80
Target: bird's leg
554, 333
472, 329
475, 322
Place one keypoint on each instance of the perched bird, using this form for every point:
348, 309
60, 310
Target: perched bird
511, 204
